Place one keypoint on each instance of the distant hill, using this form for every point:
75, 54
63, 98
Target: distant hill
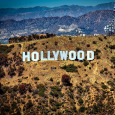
38, 12
94, 22
90, 23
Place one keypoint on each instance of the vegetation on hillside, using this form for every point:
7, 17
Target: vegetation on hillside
58, 87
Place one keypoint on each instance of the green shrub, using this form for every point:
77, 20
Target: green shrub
20, 70
100, 39
88, 45
6, 49
36, 78
111, 83
85, 63
80, 101
113, 60
103, 86
70, 38
41, 90
35, 92
22, 88
15, 88
96, 52
94, 42
35, 48
80, 90
29, 104
78, 48
2, 74
56, 43
98, 57
56, 91
101, 71
112, 89
55, 88
112, 46
81, 109
51, 79
70, 68
12, 72
19, 45
3, 59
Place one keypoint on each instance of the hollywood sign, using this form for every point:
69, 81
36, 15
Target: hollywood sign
64, 55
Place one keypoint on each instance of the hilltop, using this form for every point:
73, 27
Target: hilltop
39, 88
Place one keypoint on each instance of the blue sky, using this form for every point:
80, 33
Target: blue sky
49, 3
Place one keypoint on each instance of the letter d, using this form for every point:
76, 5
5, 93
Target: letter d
90, 55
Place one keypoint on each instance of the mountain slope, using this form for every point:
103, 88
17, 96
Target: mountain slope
95, 21
90, 23
37, 12
34, 88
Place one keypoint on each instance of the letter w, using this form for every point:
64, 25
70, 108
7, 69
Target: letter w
63, 55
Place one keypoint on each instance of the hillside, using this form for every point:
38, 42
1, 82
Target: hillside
90, 23
39, 11
34, 88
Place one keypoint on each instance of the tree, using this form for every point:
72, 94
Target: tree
66, 79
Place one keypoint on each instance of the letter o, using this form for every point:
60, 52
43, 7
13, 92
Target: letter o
72, 57
78, 55
33, 56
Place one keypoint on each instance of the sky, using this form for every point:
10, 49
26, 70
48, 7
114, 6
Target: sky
48, 3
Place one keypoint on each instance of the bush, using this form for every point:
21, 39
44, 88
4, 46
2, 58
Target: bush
66, 79
112, 89
56, 91
19, 45
101, 71
70, 68
41, 90
36, 78
29, 104
3, 59
51, 79
35, 48
22, 88
1, 90
2, 74
56, 43
88, 45
104, 86
80, 101
85, 63
6, 49
11, 72
105, 69
112, 46
15, 88
35, 92
100, 39
78, 48
111, 83
20, 70
98, 57
82, 109
96, 52
113, 60
56, 88
80, 90
94, 42
70, 38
